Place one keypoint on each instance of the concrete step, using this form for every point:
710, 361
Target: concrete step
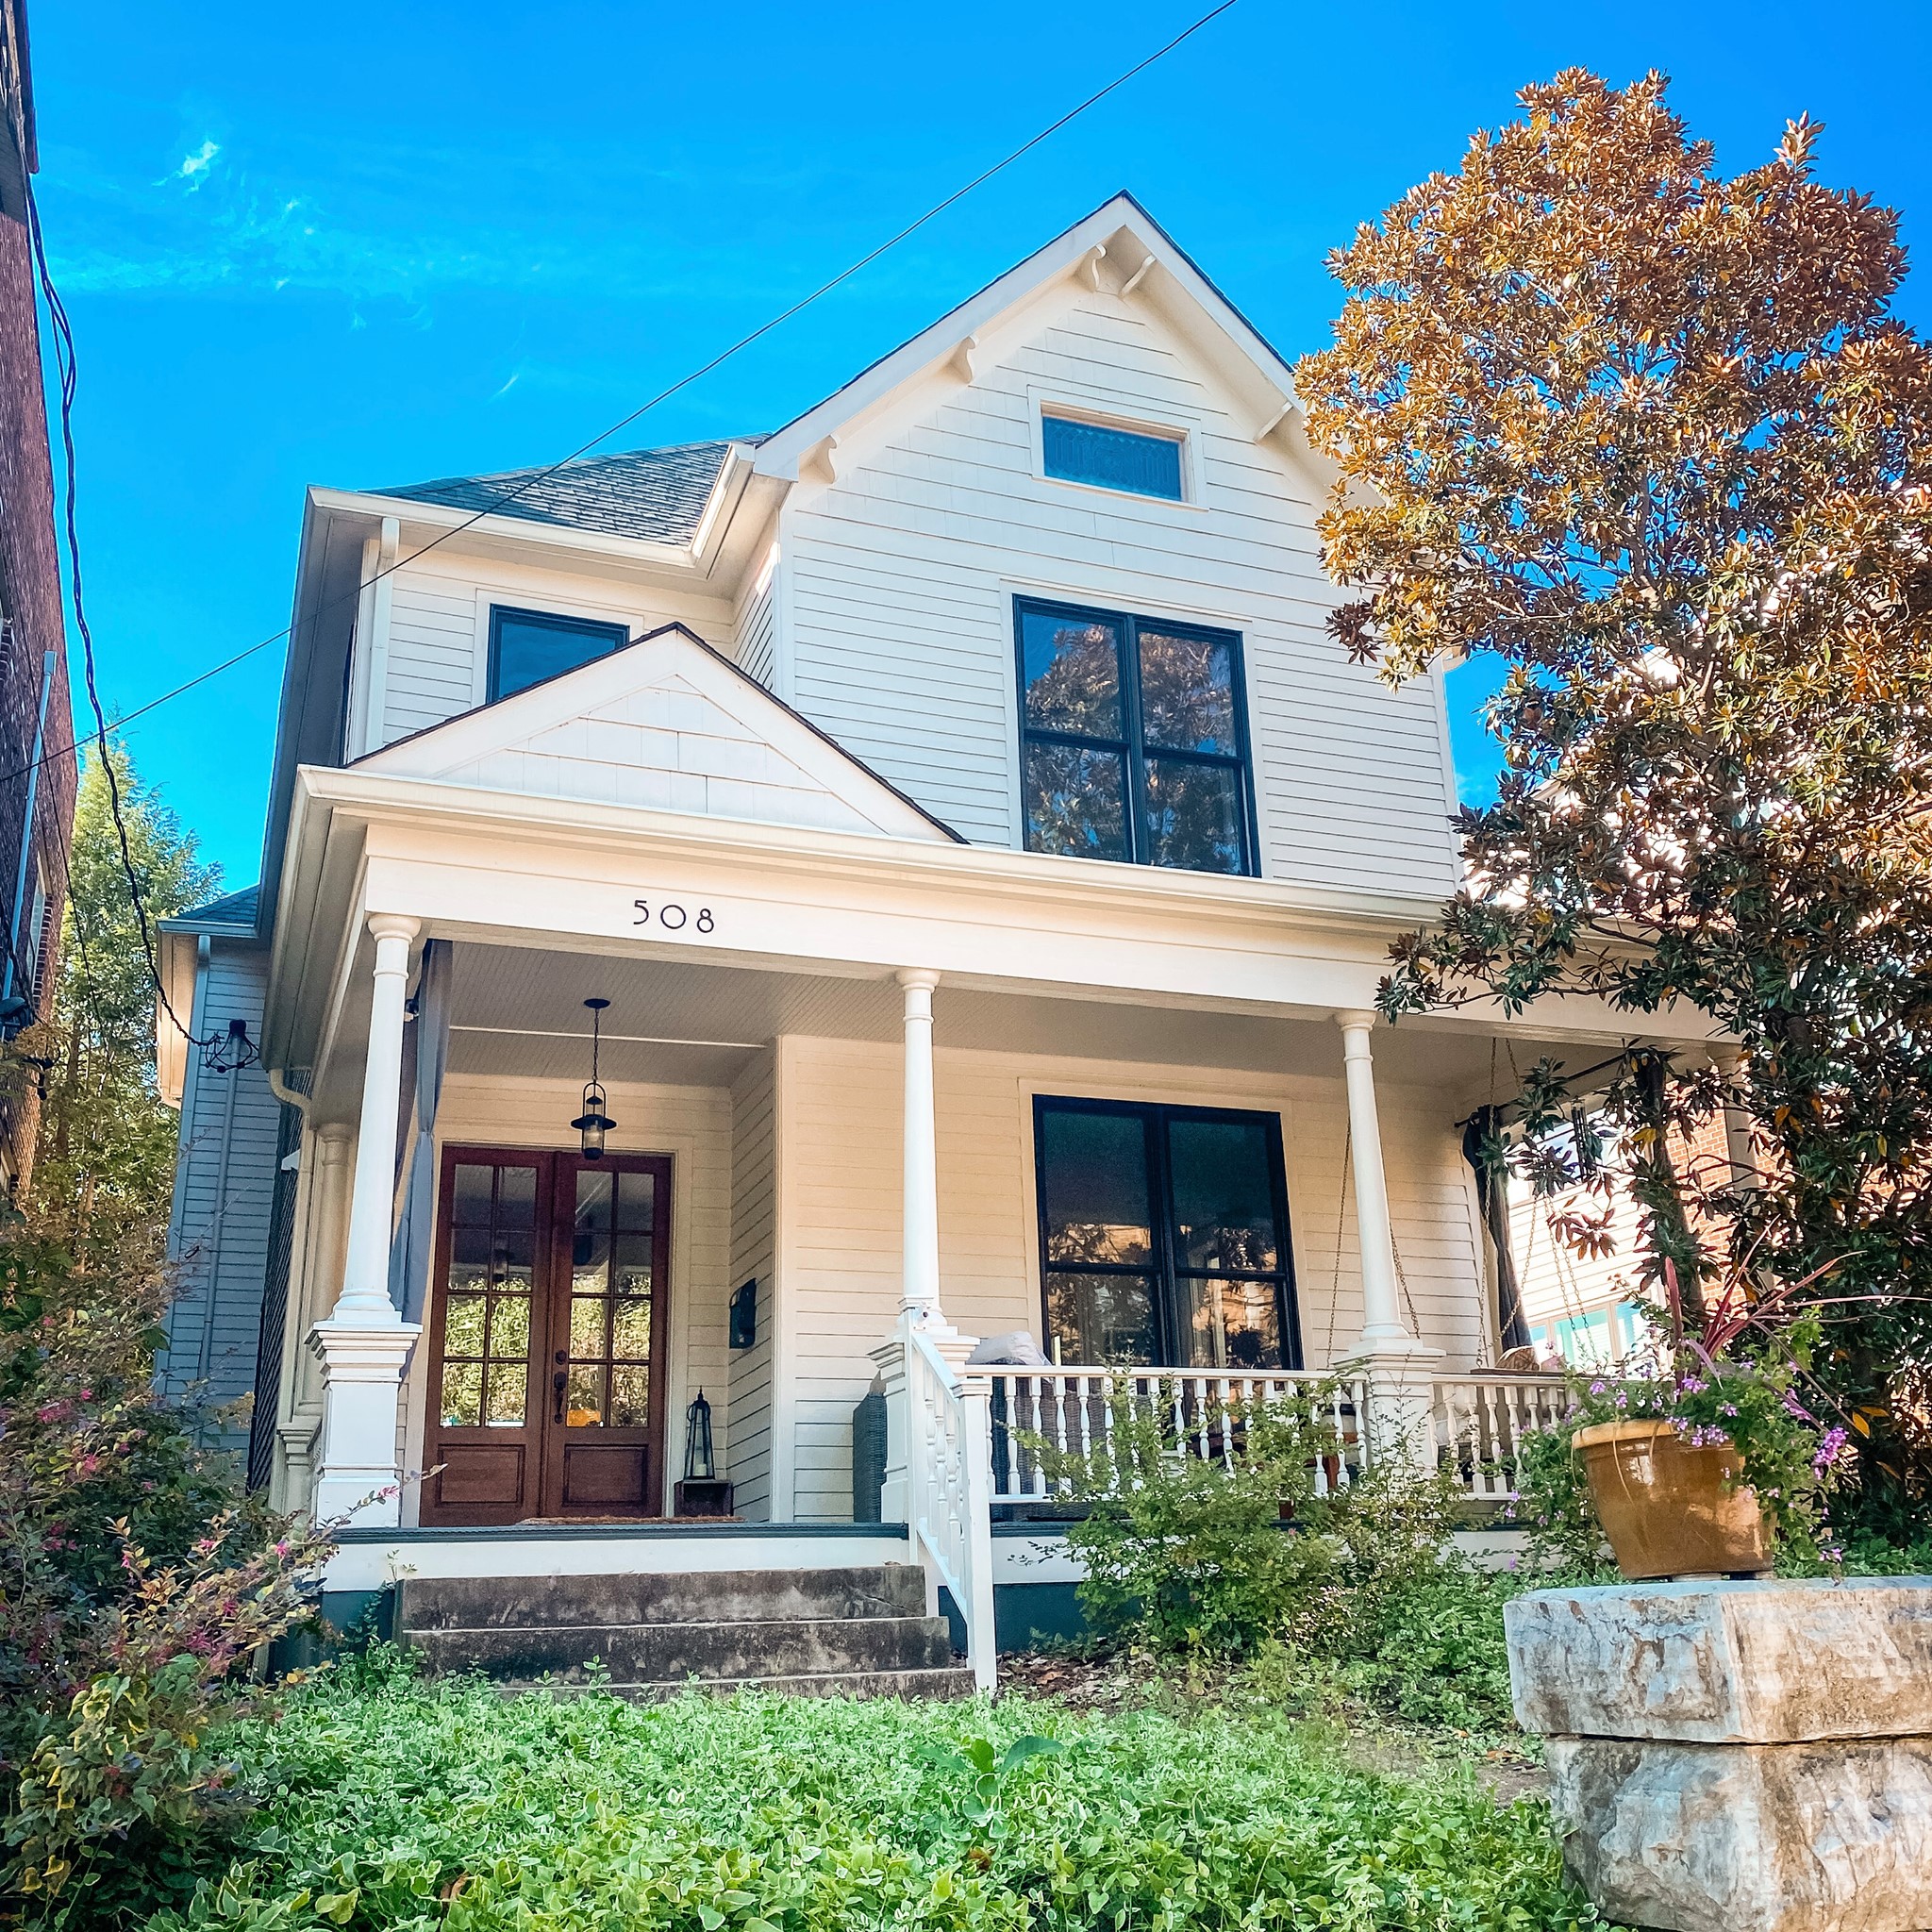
672, 1652
949, 1682
733, 1596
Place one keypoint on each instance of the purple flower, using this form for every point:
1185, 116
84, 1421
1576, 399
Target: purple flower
1690, 1385
1828, 1448
1598, 1388
1728, 1408
1793, 1407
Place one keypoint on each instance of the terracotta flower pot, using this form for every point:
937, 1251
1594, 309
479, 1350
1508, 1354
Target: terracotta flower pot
1669, 1509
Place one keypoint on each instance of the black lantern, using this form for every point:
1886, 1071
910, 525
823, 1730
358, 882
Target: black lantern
700, 1464
595, 1122
701, 1493
231, 1052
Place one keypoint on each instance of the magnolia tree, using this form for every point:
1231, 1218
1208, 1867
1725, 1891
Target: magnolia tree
1650, 438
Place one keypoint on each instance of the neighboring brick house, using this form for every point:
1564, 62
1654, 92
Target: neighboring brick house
35, 791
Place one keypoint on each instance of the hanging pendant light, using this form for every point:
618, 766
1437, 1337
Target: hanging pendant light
595, 1122
230, 1051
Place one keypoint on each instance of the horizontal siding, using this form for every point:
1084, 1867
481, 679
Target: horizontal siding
756, 621
842, 1162
754, 1229
224, 1182
901, 630
438, 634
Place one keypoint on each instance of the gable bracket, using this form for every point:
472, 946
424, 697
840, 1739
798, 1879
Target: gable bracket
817, 462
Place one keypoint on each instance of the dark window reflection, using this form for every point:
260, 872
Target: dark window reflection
1131, 741
1193, 815
1163, 1236
527, 646
1187, 693
1076, 801
1097, 1195
1072, 674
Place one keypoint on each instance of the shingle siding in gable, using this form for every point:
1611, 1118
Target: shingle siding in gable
901, 639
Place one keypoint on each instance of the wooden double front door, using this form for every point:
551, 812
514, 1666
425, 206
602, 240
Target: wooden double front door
546, 1337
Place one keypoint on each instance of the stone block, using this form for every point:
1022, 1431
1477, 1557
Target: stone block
1756, 1838
1712, 1663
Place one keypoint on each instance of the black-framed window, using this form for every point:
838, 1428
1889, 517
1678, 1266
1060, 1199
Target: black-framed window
1133, 738
1163, 1236
527, 646
1077, 451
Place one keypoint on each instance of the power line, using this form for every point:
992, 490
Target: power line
531, 481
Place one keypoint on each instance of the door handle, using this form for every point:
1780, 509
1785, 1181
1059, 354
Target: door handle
559, 1382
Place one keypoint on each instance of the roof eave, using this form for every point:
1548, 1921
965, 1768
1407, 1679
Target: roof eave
448, 522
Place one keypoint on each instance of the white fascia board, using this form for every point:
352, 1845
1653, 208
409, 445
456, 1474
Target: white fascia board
810, 851
936, 349
440, 517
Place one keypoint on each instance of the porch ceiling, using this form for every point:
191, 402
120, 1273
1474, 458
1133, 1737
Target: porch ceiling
519, 1011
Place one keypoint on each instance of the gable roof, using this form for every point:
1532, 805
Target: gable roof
1143, 257
655, 495
669, 724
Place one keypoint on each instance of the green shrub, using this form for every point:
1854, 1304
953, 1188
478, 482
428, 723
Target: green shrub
406, 1807
1222, 1555
135, 1586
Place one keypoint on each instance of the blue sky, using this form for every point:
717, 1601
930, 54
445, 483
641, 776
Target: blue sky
366, 248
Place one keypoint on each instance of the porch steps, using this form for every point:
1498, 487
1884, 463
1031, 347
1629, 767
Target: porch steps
842, 1632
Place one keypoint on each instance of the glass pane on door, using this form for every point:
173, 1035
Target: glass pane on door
610, 1301
486, 1320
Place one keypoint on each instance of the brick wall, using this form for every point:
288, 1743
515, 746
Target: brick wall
31, 598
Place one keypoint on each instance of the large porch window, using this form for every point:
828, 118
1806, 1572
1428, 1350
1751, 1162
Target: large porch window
1163, 1236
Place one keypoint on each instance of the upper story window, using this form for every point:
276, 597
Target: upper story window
1133, 739
527, 646
1079, 452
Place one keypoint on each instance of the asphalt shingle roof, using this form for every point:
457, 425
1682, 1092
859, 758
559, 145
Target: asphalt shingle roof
655, 495
232, 908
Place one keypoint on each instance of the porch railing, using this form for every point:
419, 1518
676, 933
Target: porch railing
948, 1436
1076, 1410
1480, 1421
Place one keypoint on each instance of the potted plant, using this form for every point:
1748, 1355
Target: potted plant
1706, 1460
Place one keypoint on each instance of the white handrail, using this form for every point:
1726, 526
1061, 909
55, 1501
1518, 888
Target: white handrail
1074, 1410
948, 1461
1480, 1421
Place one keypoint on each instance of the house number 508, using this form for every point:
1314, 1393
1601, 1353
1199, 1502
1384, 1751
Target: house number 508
672, 916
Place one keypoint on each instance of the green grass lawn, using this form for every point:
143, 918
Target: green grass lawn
389, 1803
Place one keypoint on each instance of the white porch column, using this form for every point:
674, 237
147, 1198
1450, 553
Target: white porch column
1396, 1363
920, 1283
365, 1344
1374, 1233
326, 1155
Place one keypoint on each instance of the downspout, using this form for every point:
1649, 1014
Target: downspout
27, 830
206, 1359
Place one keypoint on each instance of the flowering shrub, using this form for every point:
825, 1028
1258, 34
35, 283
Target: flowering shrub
135, 1588
1748, 1398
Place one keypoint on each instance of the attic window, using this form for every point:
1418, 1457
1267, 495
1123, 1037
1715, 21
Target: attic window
1131, 459
527, 646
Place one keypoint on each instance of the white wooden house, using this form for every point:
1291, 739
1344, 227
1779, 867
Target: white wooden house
989, 862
